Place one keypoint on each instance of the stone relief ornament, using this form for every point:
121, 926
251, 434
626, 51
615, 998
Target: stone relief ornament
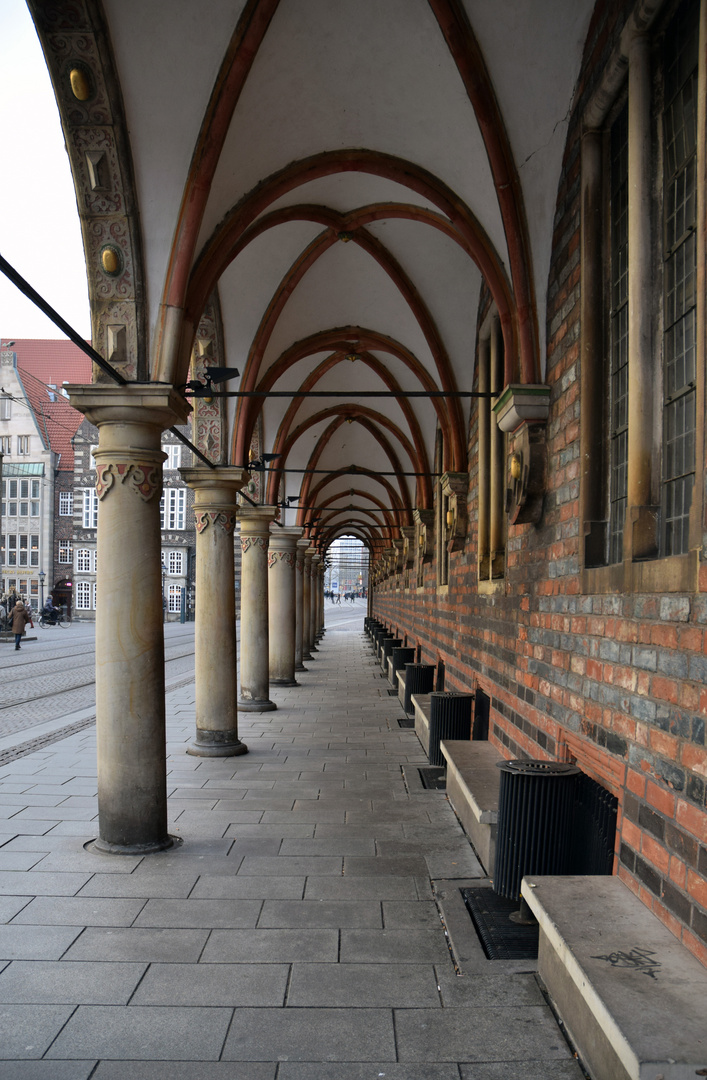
287, 557
223, 518
247, 542
144, 479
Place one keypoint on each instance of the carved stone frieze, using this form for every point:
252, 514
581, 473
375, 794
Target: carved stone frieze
82, 69
286, 557
221, 518
143, 478
248, 542
209, 418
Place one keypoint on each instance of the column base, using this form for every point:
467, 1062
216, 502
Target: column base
283, 682
256, 706
216, 744
307, 656
105, 847
300, 667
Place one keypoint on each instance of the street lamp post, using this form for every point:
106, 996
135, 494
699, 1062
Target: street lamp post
42, 576
164, 599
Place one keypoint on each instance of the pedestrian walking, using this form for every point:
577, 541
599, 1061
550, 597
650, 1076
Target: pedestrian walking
20, 618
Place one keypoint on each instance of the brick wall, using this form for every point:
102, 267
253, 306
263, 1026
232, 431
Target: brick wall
616, 682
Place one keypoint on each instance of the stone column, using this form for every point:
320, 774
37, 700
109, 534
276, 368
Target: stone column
215, 658
322, 575
130, 707
299, 609
282, 556
306, 603
255, 648
497, 485
313, 607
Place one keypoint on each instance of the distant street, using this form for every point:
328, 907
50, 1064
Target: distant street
50, 683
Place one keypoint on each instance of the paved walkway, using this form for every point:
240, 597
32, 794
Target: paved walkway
301, 932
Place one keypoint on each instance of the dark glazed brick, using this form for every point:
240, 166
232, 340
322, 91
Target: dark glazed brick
631, 807
651, 822
627, 857
682, 844
676, 902
702, 860
648, 876
699, 923
698, 730
671, 774
696, 789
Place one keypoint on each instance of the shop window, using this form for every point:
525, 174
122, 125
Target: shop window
83, 595
175, 563
174, 598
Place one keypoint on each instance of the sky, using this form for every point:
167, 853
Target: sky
40, 233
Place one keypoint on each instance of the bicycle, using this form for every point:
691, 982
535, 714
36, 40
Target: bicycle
50, 620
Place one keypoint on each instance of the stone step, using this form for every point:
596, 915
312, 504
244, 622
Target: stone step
633, 999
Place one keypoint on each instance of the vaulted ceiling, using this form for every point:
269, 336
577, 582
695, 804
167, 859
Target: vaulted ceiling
346, 178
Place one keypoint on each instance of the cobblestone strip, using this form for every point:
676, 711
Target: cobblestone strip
22, 749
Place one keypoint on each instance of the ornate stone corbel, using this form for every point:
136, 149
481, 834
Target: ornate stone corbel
455, 488
526, 474
398, 562
424, 529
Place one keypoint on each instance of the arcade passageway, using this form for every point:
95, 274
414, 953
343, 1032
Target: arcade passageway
297, 931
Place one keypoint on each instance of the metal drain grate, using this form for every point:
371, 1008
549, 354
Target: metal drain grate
433, 778
406, 722
501, 938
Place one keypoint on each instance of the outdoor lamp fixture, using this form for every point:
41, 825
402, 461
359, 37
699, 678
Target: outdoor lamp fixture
41, 577
263, 460
212, 376
6, 344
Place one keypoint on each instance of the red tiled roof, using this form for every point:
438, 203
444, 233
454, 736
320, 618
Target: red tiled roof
41, 364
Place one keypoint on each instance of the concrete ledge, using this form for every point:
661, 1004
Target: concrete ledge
401, 688
389, 670
473, 783
421, 705
631, 996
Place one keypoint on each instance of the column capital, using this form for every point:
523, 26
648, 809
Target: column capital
255, 520
285, 539
215, 492
157, 405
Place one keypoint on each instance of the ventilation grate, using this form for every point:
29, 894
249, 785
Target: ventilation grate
433, 778
500, 937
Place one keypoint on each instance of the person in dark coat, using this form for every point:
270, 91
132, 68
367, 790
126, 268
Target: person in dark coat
20, 618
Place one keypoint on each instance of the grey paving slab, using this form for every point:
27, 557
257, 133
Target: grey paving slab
311, 1035
143, 1033
399, 915
174, 1070
79, 862
19, 860
471, 991
271, 946
376, 830
136, 943
26, 1031
361, 888
64, 982
36, 942
293, 830
15, 883
175, 885
291, 1070
355, 845
529, 1070
359, 986
510, 1035
320, 913
256, 845
290, 866
322, 812
10, 905
246, 985
393, 947
181, 862
199, 913
47, 1070
249, 888
400, 866
79, 911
